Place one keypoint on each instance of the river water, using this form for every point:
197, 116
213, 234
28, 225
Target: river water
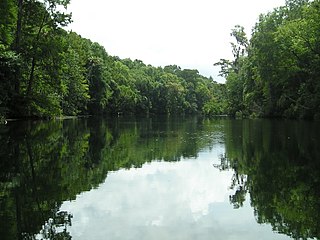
160, 178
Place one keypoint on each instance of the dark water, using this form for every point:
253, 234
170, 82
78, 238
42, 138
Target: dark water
160, 178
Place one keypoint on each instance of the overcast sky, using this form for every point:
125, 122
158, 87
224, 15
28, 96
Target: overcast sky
189, 33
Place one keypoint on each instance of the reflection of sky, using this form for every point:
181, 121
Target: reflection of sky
183, 200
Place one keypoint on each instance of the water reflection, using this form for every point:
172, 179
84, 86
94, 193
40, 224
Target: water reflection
45, 163
154, 179
278, 164
165, 200
54, 228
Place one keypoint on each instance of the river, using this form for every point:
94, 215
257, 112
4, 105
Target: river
159, 178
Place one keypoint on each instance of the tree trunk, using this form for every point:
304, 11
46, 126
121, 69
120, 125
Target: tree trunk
17, 45
31, 77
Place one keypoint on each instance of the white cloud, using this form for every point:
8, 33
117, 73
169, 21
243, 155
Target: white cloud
189, 33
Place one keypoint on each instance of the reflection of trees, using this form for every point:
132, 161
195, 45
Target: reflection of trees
45, 163
56, 228
31, 181
278, 164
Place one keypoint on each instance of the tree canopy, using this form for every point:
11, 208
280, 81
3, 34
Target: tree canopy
276, 73
47, 71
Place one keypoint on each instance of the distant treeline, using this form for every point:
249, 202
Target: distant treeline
47, 71
277, 72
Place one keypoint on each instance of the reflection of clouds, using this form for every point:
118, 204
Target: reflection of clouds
182, 200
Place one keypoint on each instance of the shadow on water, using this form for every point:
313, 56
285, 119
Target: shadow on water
278, 164
45, 163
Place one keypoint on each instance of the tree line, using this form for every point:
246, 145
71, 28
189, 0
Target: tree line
276, 73
47, 71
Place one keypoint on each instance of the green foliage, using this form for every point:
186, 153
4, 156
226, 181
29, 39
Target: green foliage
75, 86
9, 61
278, 76
47, 71
232, 70
8, 13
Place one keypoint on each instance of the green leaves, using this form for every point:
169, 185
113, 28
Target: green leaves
276, 73
8, 19
48, 71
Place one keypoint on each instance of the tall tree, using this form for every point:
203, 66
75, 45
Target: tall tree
37, 42
232, 71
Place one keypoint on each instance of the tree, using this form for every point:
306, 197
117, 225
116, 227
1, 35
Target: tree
298, 41
275, 74
239, 49
75, 83
8, 12
36, 40
125, 95
98, 87
232, 71
173, 93
9, 62
47, 71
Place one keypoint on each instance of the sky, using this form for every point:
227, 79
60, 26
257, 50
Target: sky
192, 34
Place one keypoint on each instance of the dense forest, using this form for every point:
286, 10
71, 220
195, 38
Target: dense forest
276, 73
48, 71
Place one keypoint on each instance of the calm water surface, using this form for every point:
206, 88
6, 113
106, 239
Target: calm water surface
160, 178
